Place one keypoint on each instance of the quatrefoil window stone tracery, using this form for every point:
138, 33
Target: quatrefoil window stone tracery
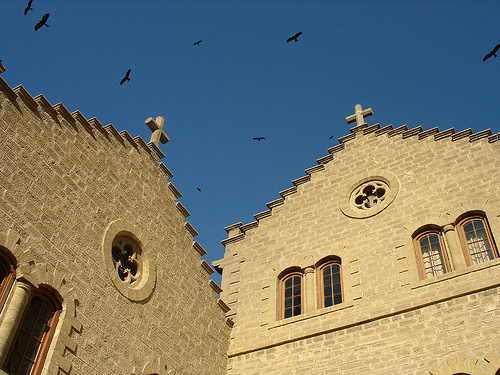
369, 194
126, 259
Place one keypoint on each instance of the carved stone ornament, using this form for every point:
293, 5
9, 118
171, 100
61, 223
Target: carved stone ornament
128, 261
369, 196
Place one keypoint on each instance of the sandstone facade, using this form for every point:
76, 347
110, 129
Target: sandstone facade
69, 189
391, 319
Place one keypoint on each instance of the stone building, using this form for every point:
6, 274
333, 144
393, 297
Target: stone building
100, 273
382, 259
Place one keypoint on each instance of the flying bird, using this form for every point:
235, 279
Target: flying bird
42, 22
330, 137
197, 43
28, 7
492, 53
294, 37
198, 189
258, 139
126, 78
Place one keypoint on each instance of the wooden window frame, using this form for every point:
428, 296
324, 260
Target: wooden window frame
283, 279
320, 281
8, 280
43, 349
418, 252
463, 238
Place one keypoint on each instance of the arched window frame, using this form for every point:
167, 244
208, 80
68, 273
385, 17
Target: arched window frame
293, 274
421, 260
41, 353
337, 298
462, 223
10, 275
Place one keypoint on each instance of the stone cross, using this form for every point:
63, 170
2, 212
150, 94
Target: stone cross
156, 126
359, 115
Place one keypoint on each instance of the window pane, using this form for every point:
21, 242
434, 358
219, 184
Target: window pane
21, 341
296, 291
424, 242
14, 361
288, 283
288, 302
328, 301
288, 292
468, 227
478, 224
29, 321
336, 278
337, 299
327, 280
296, 311
288, 313
25, 367
296, 301
326, 271
336, 289
45, 312
31, 349
35, 304
328, 291
39, 329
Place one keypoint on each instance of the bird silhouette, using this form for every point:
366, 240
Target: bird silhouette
492, 53
294, 37
28, 7
197, 43
198, 189
258, 139
43, 21
126, 78
330, 137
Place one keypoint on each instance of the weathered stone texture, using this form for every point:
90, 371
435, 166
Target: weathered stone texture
63, 180
390, 322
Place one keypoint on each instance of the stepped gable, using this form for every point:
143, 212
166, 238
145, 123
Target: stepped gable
236, 232
59, 114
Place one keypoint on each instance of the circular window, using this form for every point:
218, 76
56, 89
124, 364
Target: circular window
128, 260
126, 255
369, 196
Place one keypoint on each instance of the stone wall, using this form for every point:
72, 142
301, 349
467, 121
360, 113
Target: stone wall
390, 320
68, 187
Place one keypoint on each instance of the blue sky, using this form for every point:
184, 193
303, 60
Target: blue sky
413, 62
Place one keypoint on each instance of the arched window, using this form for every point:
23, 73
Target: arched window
477, 241
330, 282
7, 276
291, 296
33, 336
431, 254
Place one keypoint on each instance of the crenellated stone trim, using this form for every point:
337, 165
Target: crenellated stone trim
80, 118
235, 238
199, 248
412, 132
96, 124
190, 229
337, 148
140, 142
462, 134
207, 267
174, 190
325, 159
399, 130
386, 129
262, 215
444, 134
7, 90
182, 209
215, 286
128, 138
301, 180
252, 225
112, 130
155, 149
275, 203
287, 192
223, 305
27, 99
165, 170
428, 133
65, 114
44, 104
480, 135
371, 129
315, 169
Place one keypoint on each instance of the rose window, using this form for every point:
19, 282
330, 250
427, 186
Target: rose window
369, 194
126, 259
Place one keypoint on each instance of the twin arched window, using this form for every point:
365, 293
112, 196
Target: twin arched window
475, 238
328, 285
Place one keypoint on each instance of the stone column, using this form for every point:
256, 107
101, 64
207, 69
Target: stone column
14, 311
457, 257
309, 287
